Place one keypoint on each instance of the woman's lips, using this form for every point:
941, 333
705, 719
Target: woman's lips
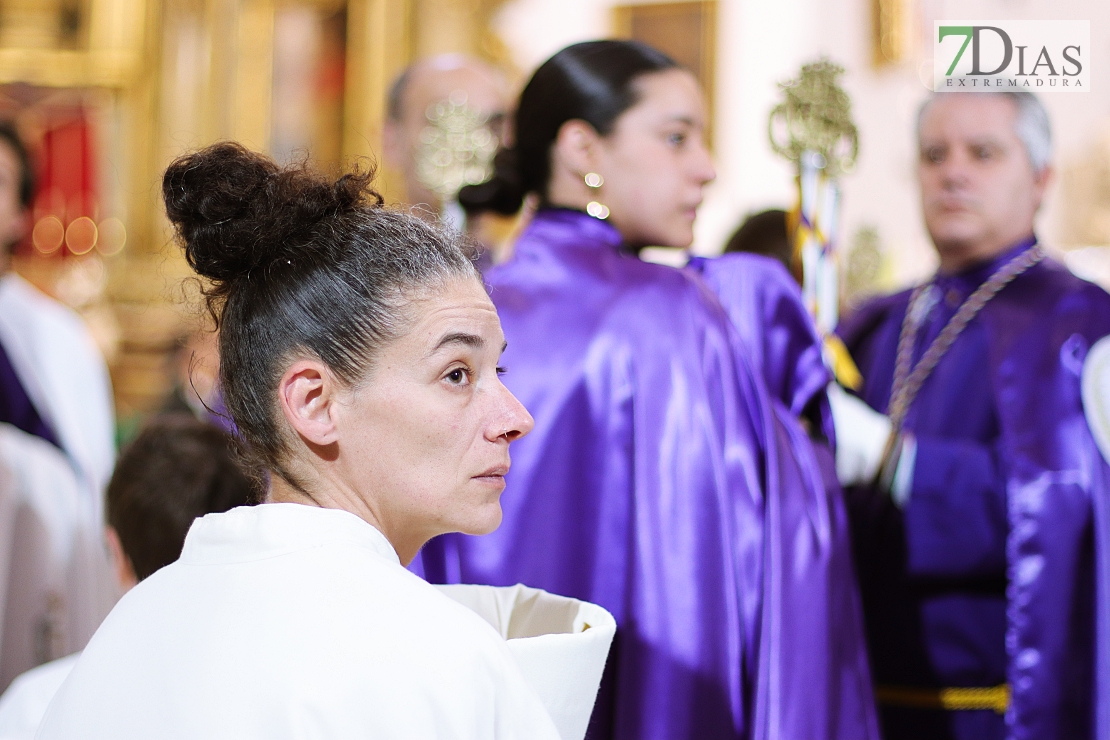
496, 474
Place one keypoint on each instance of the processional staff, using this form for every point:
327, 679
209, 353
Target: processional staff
456, 148
813, 127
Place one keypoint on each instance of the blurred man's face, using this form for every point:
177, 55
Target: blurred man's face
979, 193
430, 83
13, 216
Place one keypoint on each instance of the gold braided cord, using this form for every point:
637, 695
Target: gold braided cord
953, 699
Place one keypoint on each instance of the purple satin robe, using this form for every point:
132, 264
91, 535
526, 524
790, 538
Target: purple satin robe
663, 482
999, 567
765, 305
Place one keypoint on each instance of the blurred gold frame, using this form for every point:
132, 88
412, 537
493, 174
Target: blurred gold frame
686, 31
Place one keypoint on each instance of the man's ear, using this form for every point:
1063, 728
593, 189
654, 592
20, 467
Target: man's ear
393, 144
576, 147
1042, 180
16, 229
125, 571
307, 392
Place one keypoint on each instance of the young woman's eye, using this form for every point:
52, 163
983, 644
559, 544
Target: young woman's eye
676, 139
457, 376
502, 370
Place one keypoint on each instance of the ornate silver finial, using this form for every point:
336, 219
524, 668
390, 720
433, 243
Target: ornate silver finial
456, 147
816, 116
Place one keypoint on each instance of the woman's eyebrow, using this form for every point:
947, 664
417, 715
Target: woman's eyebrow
458, 337
682, 118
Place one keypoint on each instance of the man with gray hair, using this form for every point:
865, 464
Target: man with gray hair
980, 505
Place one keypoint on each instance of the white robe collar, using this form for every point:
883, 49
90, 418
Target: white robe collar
269, 530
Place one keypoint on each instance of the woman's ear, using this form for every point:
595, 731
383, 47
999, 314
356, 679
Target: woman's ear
307, 392
576, 147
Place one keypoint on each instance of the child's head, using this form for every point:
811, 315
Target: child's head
176, 469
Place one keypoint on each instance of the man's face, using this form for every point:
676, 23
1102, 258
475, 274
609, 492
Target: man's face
979, 193
13, 216
486, 93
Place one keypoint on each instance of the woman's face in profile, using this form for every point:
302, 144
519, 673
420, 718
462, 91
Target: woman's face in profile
425, 437
655, 162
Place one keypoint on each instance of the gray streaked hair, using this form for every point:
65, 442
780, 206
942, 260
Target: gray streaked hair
1031, 124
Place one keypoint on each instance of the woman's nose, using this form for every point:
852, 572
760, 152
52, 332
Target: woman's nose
704, 171
514, 421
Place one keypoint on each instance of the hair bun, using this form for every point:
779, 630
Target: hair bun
237, 211
503, 193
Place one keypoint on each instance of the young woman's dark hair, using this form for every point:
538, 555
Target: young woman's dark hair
297, 264
594, 82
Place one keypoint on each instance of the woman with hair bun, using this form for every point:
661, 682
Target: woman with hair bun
359, 360
662, 481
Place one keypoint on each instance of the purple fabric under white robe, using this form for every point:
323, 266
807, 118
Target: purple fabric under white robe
664, 483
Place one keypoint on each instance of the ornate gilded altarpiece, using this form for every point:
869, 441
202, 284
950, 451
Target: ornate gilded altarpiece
130, 84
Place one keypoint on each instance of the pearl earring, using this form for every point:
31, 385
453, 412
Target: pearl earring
595, 208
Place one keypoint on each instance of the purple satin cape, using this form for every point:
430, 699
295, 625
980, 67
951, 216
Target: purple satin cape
1058, 498
663, 482
765, 305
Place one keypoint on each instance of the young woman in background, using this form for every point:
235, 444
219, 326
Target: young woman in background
662, 481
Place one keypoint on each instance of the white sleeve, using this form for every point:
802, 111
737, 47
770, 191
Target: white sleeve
1096, 393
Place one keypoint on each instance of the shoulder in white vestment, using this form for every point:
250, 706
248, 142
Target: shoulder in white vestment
54, 570
289, 621
24, 703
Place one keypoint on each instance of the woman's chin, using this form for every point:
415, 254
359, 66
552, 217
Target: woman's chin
680, 236
487, 519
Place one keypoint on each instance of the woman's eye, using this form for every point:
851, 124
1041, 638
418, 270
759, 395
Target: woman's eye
457, 376
676, 139
502, 370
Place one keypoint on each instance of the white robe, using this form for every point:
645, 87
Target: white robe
290, 621
55, 577
24, 703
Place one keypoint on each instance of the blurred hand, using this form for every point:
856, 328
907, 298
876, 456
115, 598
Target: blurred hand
861, 437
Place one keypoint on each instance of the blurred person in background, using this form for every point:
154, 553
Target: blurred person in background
194, 368
56, 449
980, 516
764, 233
661, 481
176, 470
481, 88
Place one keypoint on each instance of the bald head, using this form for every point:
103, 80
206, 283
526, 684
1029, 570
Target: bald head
422, 85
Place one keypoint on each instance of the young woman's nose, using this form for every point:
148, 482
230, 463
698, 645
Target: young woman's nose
703, 170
